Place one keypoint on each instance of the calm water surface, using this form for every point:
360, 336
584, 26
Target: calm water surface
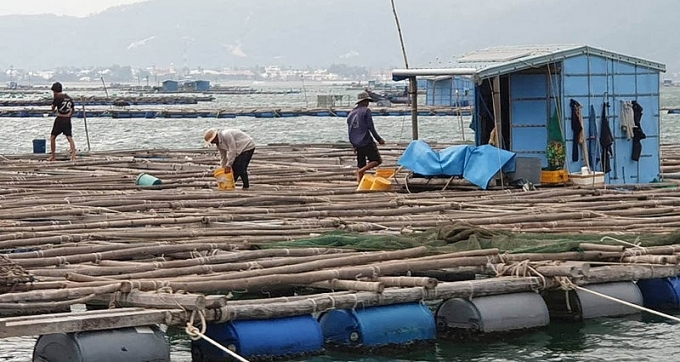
627, 339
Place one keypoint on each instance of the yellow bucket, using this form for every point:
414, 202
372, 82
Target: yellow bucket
366, 183
381, 184
385, 172
225, 181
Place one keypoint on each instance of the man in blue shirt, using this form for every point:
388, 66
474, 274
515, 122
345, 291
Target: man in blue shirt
362, 134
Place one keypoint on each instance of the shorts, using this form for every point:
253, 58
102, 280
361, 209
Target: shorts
370, 152
62, 125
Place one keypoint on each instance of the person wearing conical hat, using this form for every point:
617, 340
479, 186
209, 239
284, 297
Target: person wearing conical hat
236, 150
363, 136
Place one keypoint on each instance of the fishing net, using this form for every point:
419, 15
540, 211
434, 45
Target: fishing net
460, 236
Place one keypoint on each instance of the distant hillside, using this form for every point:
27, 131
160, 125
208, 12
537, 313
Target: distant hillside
315, 33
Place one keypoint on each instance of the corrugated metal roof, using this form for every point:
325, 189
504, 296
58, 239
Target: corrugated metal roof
495, 61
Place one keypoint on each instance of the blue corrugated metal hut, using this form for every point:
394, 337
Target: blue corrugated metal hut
170, 86
449, 91
202, 85
196, 86
518, 89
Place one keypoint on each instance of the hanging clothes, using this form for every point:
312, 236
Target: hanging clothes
592, 138
638, 134
606, 139
627, 123
576, 127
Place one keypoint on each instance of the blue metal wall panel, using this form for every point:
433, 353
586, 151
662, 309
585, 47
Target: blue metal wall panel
599, 85
532, 141
528, 86
576, 84
650, 115
648, 83
576, 65
596, 65
624, 85
528, 115
623, 68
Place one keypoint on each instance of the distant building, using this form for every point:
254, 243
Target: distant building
170, 86
449, 91
196, 86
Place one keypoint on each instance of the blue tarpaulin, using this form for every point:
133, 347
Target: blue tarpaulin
475, 164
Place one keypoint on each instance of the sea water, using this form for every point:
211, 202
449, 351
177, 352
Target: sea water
637, 339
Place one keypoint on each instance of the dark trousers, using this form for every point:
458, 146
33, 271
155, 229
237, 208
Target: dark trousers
240, 167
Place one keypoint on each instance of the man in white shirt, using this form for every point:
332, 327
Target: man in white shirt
236, 149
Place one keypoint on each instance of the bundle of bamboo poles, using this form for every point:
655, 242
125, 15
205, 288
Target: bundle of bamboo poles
87, 234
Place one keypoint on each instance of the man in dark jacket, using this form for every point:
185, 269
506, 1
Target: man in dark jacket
362, 134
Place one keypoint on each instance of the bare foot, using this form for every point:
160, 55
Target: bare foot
53, 158
360, 175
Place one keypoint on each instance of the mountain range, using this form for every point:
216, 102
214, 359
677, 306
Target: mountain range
318, 33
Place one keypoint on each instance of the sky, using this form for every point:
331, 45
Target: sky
79, 8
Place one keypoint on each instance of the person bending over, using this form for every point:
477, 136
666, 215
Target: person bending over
236, 149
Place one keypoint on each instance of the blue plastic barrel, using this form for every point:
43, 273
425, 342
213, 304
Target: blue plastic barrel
379, 326
264, 339
661, 293
144, 179
39, 146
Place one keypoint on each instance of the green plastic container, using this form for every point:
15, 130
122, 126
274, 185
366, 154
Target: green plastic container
144, 179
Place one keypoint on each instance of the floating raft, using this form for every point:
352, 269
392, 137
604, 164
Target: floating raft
301, 243
233, 113
112, 101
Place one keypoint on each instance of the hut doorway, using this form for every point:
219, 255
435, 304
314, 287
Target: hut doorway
493, 99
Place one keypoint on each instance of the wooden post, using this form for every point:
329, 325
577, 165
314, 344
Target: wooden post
413, 90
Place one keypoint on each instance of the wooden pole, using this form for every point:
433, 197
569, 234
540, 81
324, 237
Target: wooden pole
87, 134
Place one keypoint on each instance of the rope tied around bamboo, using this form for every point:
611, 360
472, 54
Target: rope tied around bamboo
12, 273
521, 269
567, 285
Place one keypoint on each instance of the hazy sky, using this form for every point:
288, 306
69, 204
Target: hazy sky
78, 8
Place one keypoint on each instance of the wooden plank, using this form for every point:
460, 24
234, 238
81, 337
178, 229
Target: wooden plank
83, 321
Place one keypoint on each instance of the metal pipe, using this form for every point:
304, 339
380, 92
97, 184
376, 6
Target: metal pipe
399, 74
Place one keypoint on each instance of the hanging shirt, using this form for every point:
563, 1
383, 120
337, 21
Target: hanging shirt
638, 134
576, 127
606, 140
232, 142
627, 122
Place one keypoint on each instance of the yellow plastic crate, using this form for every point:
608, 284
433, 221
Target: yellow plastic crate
554, 177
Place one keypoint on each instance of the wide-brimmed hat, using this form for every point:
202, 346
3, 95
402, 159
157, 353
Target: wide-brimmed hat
363, 96
209, 136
